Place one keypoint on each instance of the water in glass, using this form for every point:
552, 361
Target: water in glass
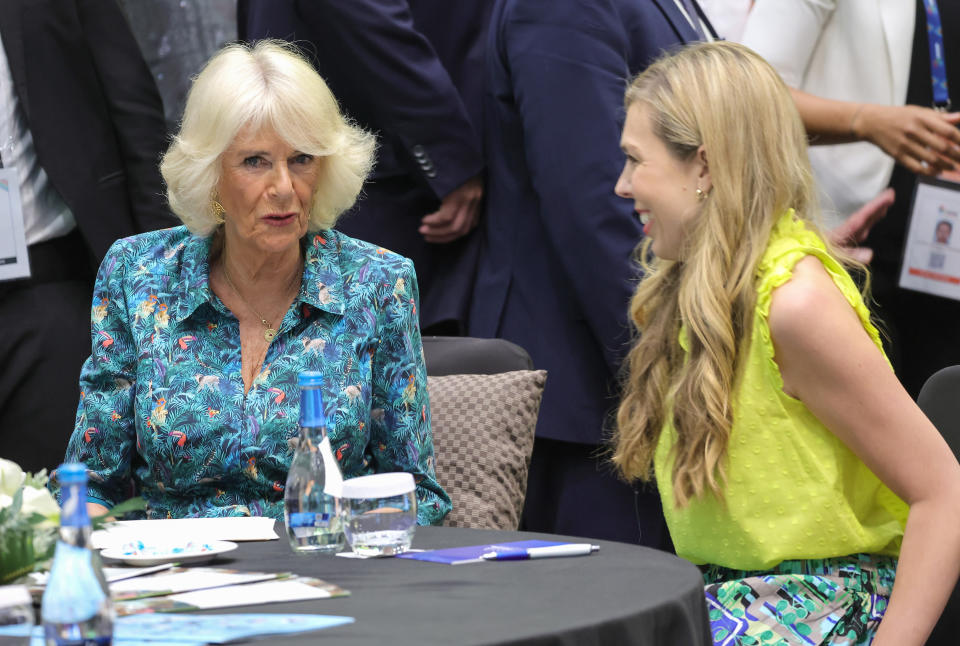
380, 513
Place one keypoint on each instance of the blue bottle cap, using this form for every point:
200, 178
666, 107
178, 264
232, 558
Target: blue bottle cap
310, 379
71, 473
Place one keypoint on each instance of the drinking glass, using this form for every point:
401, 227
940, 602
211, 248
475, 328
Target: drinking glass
379, 513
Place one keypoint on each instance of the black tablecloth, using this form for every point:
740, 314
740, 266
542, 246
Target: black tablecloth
623, 594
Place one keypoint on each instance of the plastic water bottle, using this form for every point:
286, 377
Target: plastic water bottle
312, 507
76, 608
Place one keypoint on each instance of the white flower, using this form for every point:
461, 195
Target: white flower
35, 499
11, 477
40, 501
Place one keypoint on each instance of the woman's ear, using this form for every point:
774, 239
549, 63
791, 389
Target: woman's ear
703, 179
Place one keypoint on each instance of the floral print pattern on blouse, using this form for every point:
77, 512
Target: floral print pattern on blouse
162, 410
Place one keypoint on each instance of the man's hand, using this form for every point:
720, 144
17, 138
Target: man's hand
857, 227
922, 139
458, 214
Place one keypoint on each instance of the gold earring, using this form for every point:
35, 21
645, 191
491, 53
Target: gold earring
218, 211
701, 196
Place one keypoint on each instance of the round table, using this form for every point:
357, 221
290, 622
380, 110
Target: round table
623, 594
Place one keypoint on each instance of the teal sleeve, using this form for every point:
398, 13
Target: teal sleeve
401, 439
104, 435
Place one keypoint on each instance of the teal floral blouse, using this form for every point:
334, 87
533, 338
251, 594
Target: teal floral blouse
162, 409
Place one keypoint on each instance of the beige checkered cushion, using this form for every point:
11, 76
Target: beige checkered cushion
482, 438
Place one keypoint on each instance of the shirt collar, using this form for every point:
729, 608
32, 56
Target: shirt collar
194, 280
322, 286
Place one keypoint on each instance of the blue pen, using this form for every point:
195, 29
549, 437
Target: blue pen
567, 549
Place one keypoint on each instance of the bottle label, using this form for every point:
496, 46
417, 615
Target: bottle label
309, 519
73, 512
333, 484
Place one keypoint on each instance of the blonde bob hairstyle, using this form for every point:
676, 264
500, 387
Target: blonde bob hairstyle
267, 84
724, 97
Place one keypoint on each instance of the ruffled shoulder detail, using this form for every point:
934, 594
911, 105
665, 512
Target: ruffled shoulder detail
791, 241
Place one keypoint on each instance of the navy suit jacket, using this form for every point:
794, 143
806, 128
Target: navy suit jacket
411, 70
94, 113
557, 269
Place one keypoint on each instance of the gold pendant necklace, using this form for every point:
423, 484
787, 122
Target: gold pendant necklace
268, 332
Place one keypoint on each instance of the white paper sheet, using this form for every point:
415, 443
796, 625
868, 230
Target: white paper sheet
251, 594
121, 573
256, 528
183, 581
111, 574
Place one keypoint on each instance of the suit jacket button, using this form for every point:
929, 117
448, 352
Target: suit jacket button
418, 151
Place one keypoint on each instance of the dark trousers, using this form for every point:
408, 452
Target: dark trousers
44, 339
573, 490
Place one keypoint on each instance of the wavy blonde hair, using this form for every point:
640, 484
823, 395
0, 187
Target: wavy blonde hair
724, 97
267, 84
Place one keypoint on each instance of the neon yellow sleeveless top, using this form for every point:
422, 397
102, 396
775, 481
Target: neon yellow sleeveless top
793, 489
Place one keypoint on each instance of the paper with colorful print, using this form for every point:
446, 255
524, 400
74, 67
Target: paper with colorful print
219, 629
37, 637
187, 630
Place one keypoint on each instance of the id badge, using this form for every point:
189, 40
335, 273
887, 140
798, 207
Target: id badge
14, 262
931, 254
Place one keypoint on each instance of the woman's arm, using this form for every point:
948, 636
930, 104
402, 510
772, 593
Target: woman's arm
924, 140
787, 32
104, 436
95, 509
401, 439
829, 362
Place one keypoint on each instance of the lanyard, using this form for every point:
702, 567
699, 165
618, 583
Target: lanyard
938, 66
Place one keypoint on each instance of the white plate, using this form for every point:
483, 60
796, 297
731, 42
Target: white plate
232, 528
144, 554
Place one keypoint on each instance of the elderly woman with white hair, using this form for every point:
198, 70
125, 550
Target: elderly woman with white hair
190, 396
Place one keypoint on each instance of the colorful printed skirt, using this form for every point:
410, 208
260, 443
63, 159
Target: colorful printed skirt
837, 601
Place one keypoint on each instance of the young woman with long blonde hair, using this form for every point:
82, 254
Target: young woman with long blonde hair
792, 465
